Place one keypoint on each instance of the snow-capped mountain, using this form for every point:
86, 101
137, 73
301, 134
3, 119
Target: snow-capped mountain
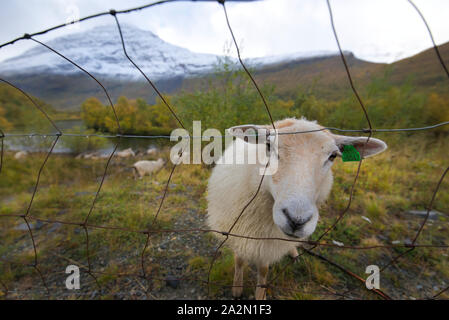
46, 75
99, 51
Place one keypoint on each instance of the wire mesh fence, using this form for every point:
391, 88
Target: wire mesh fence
308, 246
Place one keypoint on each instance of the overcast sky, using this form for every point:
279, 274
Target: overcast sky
375, 30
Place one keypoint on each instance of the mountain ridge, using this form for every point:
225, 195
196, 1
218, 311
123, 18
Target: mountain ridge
99, 50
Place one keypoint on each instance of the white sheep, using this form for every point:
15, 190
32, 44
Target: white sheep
92, 155
287, 203
144, 167
151, 151
126, 153
20, 155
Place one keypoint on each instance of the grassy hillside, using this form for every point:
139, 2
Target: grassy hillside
326, 77
67, 93
424, 69
18, 113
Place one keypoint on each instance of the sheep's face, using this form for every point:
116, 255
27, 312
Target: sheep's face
303, 178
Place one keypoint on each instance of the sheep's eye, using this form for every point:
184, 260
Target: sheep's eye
333, 156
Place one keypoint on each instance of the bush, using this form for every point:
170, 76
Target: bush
229, 98
80, 144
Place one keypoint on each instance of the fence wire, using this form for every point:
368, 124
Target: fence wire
307, 246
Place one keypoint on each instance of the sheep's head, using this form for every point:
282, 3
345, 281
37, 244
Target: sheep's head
303, 178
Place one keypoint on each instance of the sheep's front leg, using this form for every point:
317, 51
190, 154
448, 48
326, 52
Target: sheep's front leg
237, 289
262, 273
136, 173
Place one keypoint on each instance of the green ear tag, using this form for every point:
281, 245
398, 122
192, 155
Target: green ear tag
350, 153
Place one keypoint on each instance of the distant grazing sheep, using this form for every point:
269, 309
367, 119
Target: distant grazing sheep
144, 167
151, 151
92, 155
126, 153
288, 201
20, 155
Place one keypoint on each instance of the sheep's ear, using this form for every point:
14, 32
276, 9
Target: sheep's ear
369, 147
249, 132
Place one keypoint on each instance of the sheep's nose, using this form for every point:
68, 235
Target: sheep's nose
295, 223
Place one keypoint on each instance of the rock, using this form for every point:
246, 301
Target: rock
34, 226
119, 296
63, 211
9, 199
54, 227
83, 193
172, 282
423, 213
340, 244
38, 225
93, 294
23, 227
366, 219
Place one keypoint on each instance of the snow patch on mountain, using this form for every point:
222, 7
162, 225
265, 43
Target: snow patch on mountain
100, 52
